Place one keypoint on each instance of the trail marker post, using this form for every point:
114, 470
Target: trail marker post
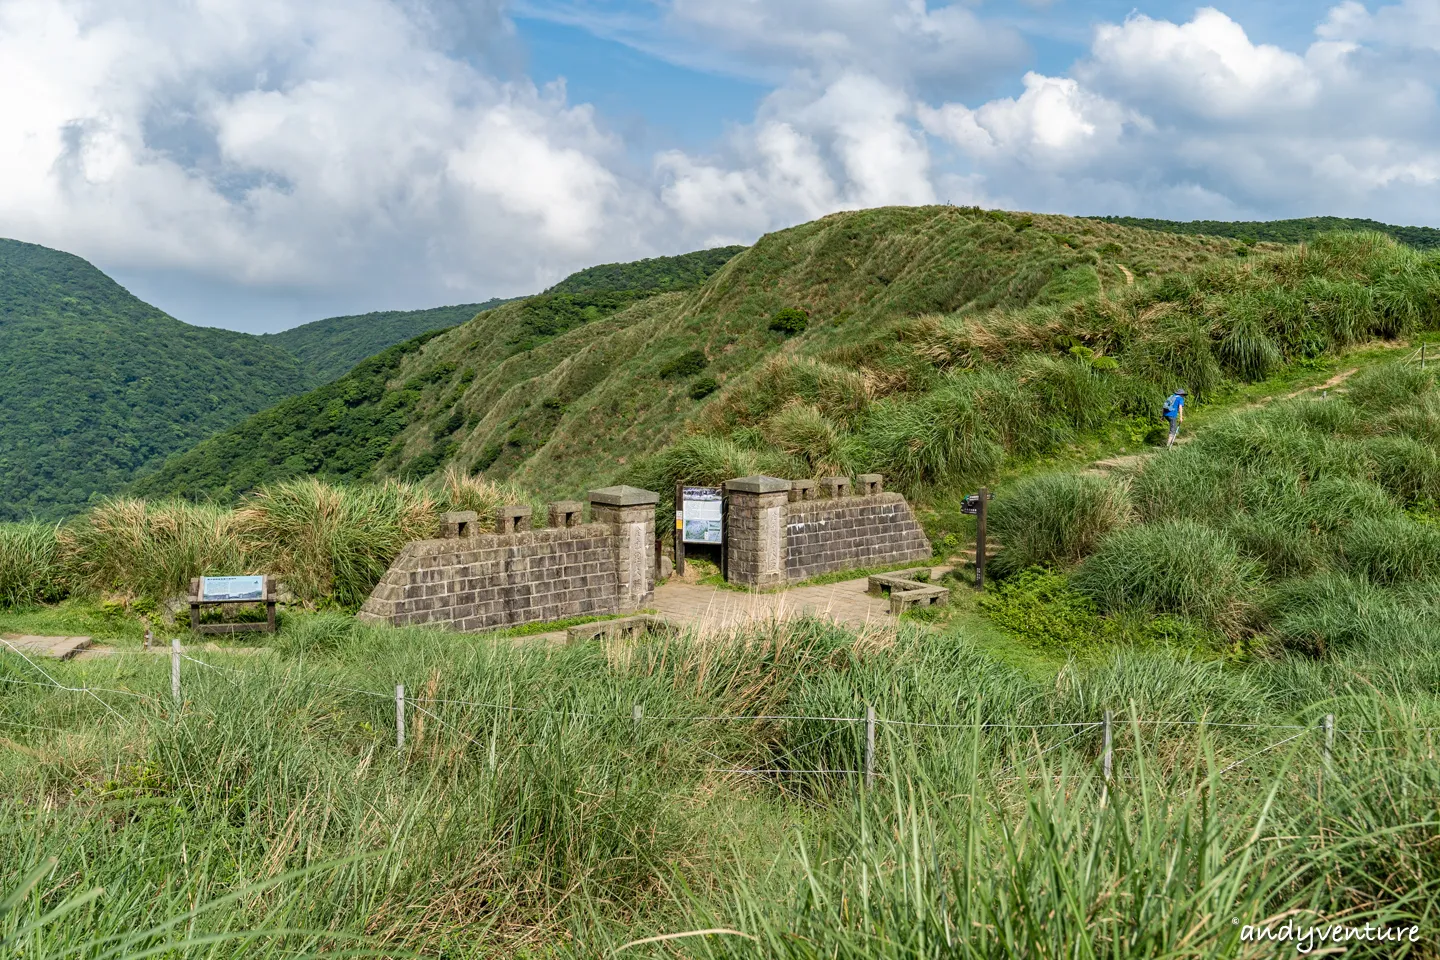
679, 529
175, 671
869, 746
399, 718
977, 504
1108, 762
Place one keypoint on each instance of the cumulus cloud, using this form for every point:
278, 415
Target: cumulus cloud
389, 145
1197, 120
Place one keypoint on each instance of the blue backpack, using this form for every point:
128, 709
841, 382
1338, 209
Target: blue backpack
1172, 406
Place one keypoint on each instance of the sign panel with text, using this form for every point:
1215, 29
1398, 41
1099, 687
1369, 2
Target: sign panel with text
702, 517
232, 589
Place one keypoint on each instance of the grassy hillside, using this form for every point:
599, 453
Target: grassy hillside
96, 385
559, 397
1285, 231
331, 347
683, 272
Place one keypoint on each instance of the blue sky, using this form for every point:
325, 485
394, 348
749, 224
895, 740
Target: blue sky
259, 164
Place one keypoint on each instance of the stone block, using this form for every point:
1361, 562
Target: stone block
802, 490
834, 488
512, 518
566, 513
623, 496
458, 524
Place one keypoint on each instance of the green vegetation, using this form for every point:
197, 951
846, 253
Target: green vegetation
329, 544
789, 321
97, 386
330, 348
529, 815
1307, 523
337, 432
1285, 231
683, 272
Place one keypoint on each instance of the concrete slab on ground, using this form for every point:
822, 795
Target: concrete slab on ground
710, 609
58, 648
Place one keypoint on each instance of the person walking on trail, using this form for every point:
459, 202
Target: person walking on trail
1175, 412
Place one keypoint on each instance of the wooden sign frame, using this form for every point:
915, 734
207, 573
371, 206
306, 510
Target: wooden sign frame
197, 601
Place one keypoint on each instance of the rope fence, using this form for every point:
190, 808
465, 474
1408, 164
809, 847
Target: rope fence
871, 723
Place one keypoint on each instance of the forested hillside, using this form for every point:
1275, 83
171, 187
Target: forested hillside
95, 384
682, 272
1284, 231
328, 348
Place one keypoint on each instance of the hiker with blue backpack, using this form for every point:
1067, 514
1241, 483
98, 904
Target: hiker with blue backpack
1174, 411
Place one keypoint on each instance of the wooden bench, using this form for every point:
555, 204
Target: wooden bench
198, 599
635, 626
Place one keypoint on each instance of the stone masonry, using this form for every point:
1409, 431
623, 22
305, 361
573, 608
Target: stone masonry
484, 581
775, 539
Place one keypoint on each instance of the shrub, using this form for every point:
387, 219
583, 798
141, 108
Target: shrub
153, 549
701, 459
790, 321
332, 544
1055, 518
1388, 386
31, 565
938, 439
1395, 549
1175, 566
1332, 610
703, 387
802, 431
1285, 548
1408, 469
687, 364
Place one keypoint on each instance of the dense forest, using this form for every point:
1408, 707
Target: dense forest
660, 273
328, 348
96, 384
1283, 231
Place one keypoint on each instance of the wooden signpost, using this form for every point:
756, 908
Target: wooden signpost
232, 591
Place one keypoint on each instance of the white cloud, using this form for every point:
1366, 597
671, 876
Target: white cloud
1197, 120
372, 144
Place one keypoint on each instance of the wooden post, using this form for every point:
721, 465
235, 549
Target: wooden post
270, 603
679, 529
980, 540
149, 638
869, 746
1329, 726
1109, 758
399, 717
1422, 355
175, 670
724, 533
636, 713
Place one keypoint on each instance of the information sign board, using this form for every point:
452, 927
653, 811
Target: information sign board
703, 520
232, 589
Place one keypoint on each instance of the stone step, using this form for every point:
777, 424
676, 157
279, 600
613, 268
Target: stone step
59, 648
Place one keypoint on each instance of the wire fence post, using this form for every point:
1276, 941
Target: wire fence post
175, 671
637, 712
399, 717
1329, 726
1108, 763
869, 746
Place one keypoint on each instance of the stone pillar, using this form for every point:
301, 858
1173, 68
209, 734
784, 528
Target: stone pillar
833, 488
756, 552
512, 518
870, 484
459, 523
630, 511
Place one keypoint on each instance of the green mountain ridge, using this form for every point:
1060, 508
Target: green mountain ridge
576, 407
97, 385
331, 347
1285, 231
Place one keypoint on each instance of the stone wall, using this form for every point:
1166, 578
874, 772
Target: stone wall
780, 533
822, 536
485, 581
